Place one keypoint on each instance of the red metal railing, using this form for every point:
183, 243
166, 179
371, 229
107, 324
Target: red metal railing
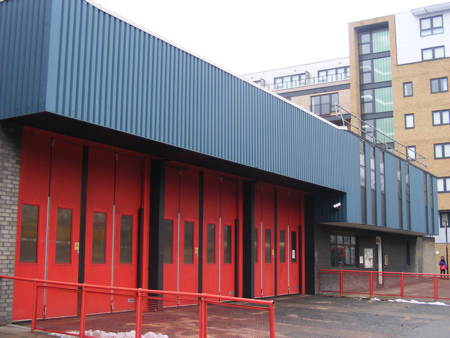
385, 284
202, 300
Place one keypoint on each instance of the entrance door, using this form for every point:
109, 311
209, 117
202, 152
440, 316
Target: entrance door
265, 243
219, 217
180, 231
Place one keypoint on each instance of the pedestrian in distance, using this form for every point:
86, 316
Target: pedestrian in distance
442, 266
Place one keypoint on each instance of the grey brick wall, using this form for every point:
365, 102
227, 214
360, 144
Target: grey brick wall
9, 191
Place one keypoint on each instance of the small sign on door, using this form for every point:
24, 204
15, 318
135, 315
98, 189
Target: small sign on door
293, 254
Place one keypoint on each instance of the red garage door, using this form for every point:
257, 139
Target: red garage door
220, 215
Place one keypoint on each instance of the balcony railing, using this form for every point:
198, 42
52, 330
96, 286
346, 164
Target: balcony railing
311, 81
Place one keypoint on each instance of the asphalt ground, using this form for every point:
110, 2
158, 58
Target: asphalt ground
322, 316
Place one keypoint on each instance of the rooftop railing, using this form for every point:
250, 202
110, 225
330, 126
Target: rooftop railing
311, 81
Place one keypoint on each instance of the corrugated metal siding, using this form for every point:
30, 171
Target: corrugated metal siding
378, 155
391, 191
417, 200
368, 190
112, 74
436, 209
403, 173
23, 55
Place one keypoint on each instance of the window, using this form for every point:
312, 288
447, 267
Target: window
411, 152
374, 42
442, 150
63, 235
431, 26
167, 241
290, 81
324, 104
188, 243
439, 85
433, 53
376, 100
409, 121
282, 246
443, 184
375, 70
268, 246
227, 247
211, 244
444, 219
407, 89
99, 238
333, 74
126, 239
342, 249
29, 233
441, 117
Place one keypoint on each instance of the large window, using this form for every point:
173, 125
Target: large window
342, 249
441, 117
374, 42
431, 25
290, 81
333, 74
443, 184
384, 127
324, 104
433, 53
439, 85
376, 100
376, 70
442, 150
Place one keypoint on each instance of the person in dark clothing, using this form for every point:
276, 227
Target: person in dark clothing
442, 265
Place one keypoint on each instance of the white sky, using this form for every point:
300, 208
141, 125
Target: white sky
245, 36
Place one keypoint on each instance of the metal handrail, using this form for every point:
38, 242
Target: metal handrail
309, 81
419, 158
204, 299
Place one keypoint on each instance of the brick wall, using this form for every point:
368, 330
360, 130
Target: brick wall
9, 190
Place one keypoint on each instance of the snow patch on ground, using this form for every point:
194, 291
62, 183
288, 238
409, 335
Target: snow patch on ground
104, 334
412, 301
375, 299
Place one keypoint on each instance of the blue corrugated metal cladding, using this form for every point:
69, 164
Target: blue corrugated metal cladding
85, 64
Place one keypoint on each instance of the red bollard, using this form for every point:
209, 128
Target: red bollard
83, 312
34, 308
272, 320
138, 314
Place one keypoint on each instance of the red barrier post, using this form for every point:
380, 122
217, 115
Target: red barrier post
341, 283
272, 320
435, 288
83, 312
34, 308
138, 313
402, 285
370, 283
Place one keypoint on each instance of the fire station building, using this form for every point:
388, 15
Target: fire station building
127, 161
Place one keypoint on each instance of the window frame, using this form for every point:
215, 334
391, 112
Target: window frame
330, 104
444, 157
431, 29
302, 81
440, 112
413, 121
433, 53
440, 90
445, 180
414, 151
447, 212
336, 77
412, 89
335, 245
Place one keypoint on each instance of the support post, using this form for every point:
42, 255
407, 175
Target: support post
272, 320
138, 313
370, 283
402, 285
34, 309
341, 283
83, 312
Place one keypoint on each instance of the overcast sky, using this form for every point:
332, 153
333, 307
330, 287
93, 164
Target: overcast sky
245, 36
